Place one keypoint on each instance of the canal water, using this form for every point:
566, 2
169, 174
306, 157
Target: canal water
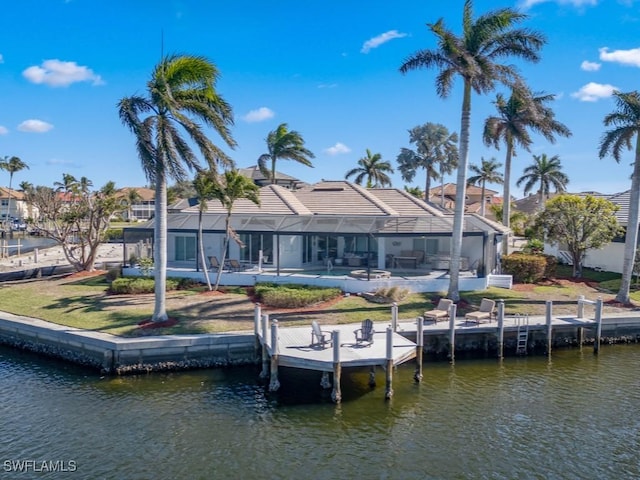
575, 416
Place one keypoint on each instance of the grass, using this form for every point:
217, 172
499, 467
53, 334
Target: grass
84, 303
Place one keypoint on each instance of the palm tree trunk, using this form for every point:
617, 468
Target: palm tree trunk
441, 185
458, 219
273, 169
631, 241
205, 267
6, 218
224, 249
482, 209
160, 247
506, 200
427, 187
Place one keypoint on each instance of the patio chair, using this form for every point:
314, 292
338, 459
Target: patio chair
485, 313
213, 263
320, 338
234, 265
440, 312
365, 332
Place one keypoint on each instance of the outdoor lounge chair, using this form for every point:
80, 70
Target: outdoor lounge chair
234, 265
441, 311
320, 338
213, 263
365, 332
484, 314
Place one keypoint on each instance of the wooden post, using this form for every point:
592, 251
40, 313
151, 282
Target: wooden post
417, 376
257, 315
389, 377
336, 394
452, 333
581, 306
500, 329
274, 384
580, 336
394, 317
548, 315
596, 343
265, 347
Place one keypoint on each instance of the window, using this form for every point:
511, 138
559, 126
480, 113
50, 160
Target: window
185, 248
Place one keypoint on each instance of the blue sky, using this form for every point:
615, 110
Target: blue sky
328, 69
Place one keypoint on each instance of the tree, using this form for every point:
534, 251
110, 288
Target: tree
517, 219
435, 147
487, 172
285, 144
227, 190
133, 197
69, 184
523, 111
415, 191
181, 98
374, 169
11, 165
580, 224
626, 128
27, 189
474, 56
78, 226
547, 172
204, 185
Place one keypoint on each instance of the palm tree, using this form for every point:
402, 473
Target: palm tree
474, 57
181, 98
435, 147
11, 165
133, 197
204, 185
28, 189
626, 128
547, 172
374, 169
231, 187
523, 111
487, 172
285, 144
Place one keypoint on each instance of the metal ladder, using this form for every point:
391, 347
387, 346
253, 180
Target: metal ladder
522, 321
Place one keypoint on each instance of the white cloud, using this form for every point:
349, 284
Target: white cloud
259, 115
576, 3
385, 37
56, 73
34, 126
58, 161
3, 130
593, 92
590, 66
337, 149
625, 57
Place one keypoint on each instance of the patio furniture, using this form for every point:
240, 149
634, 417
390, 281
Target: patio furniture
441, 311
320, 338
485, 313
372, 274
234, 265
365, 332
213, 263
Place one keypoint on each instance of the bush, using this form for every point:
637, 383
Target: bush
525, 268
113, 234
188, 284
551, 266
138, 285
113, 273
394, 294
293, 296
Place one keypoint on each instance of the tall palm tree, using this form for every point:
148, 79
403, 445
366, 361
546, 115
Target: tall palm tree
487, 172
626, 129
227, 190
374, 169
435, 146
285, 144
11, 165
28, 189
133, 197
475, 57
545, 172
204, 184
181, 98
523, 111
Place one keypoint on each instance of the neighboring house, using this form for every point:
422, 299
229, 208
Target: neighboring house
473, 202
18, 208
286, 181
331, 223
142, 209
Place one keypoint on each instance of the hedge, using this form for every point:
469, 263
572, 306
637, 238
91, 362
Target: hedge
138, 285
525, 268
292, 295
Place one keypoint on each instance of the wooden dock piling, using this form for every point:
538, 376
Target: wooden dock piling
265, 347
596, 343
389, 365
257, 316
452, 333
336, 394
274, 383
417, 376
549, 320
500, 329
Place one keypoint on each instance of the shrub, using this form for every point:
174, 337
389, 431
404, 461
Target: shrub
113, 273
551, 266
188, 284
524, 268
394, 294
114, 234
293, 296
137, 285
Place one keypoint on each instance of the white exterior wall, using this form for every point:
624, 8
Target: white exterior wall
609, 258
290, 248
